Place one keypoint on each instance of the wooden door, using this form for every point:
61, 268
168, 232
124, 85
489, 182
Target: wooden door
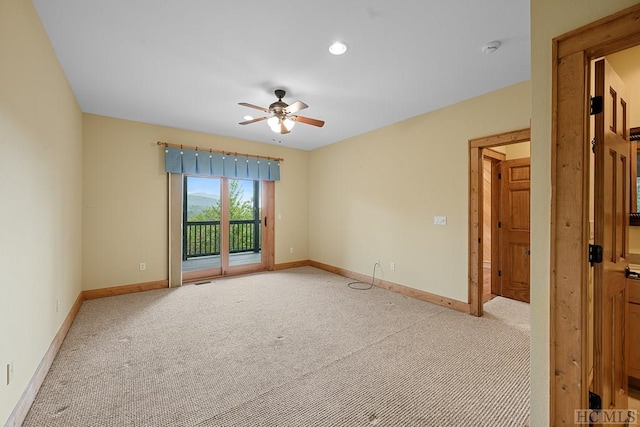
611, 215
515, 183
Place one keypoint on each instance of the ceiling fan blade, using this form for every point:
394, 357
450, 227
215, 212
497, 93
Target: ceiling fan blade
283, 128
259, 119
295, 107
308, 121
246, 104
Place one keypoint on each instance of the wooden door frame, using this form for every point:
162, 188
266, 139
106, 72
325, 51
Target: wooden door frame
496, 158
476, 147
568, 297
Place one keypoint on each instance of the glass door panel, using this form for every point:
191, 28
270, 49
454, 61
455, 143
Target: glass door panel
245, 224
202, 233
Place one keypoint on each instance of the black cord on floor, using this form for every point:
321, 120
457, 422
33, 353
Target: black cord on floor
357, 285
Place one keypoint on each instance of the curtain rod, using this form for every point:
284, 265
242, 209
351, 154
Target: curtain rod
211, 150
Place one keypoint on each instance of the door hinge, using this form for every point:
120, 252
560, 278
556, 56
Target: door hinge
499, 175
595, 254
499, 224
595, 105
499, 273
595, 402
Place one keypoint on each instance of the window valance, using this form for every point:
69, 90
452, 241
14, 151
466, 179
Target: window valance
191, 160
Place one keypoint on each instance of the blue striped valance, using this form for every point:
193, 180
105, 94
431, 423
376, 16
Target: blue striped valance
204, 162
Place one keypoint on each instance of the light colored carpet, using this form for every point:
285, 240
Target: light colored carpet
289, 348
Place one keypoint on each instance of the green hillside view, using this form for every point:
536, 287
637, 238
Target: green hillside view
244, 228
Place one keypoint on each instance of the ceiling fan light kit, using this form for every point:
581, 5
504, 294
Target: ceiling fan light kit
276, 124
282, 119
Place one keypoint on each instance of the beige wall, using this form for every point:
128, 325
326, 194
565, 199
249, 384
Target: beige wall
549, 18
518, 151
40, 184
373, 197
514, 151
125, 199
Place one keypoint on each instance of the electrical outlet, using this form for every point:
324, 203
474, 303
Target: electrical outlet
392, 266
291, 250
9, 372
143, 266
57, 306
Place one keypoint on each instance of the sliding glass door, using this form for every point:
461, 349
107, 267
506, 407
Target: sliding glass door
223, 222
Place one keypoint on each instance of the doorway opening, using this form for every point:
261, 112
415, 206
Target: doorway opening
481, 150
506, 187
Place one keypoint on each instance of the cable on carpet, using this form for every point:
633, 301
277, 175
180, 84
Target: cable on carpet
358, 285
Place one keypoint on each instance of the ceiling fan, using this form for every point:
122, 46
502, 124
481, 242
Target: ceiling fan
282, 118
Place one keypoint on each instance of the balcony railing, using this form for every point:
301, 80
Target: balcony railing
202, 238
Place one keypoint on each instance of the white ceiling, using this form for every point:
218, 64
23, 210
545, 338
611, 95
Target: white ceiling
187, 63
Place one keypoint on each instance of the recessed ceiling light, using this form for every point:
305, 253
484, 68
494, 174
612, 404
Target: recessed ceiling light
338, 48
248, 117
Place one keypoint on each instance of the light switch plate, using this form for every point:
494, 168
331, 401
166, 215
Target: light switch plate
440, 220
